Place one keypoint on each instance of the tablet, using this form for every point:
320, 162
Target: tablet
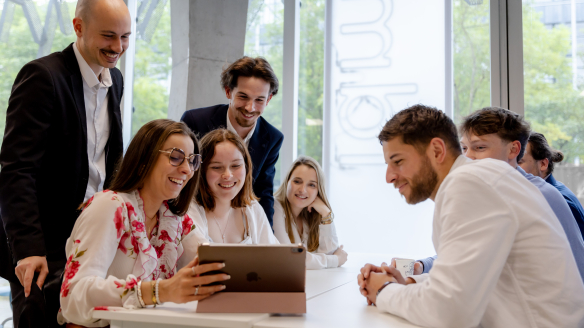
258, 268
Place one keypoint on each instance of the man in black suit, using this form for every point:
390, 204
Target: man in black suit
249, 84
62, 140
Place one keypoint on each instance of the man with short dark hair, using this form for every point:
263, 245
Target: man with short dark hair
503, 259
62, 140
501, 134
539, 160
249, 85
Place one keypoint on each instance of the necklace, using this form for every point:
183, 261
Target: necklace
226, 224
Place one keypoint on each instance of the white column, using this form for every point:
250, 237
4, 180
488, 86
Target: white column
212, 36
289, 150
127, 68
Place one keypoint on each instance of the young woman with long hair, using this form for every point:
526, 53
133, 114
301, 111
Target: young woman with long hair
225, 209
302, 214
126, 244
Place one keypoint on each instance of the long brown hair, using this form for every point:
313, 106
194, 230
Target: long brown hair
312, 218
141, 158
205, 196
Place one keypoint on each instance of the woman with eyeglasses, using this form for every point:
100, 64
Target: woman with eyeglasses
225, 210
125, 245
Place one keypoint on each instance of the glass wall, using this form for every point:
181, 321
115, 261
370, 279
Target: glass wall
23, 40
311, 78
386, 56
153, 63
264, 37
471, 57
553, 52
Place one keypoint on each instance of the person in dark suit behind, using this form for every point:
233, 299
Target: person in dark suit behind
249, 84
62, 140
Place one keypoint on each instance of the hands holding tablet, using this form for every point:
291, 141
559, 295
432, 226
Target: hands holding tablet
189, 285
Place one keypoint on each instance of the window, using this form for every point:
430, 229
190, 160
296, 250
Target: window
386, 56
311, 78
264, 38
553, 43
22, 41
153, 63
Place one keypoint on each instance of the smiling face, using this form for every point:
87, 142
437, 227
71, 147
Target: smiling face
248, 100
302, 188
409, 171
165, 181
104, 35
226, 171
490, 146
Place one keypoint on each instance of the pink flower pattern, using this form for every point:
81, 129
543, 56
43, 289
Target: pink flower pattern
164, 236
136, 237
187, 225
122, 244
119, 221
71, 269
138, 226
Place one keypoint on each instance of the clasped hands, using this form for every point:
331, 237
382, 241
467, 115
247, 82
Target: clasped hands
372, 277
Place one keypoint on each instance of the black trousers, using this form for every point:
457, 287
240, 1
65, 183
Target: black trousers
40, 308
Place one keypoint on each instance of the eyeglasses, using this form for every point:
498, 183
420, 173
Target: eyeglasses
176, 157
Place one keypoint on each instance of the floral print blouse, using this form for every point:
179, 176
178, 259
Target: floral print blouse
109, 252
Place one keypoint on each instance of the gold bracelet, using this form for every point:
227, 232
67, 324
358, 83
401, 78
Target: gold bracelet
327, 219
153, 284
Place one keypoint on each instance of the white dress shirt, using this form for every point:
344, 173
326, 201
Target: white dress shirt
232, 129
503, 257
328, 242
97, 117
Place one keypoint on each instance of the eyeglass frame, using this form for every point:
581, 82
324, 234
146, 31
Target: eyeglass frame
196, 165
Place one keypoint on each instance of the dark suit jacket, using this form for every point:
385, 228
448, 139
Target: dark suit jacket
264, 148
44, 156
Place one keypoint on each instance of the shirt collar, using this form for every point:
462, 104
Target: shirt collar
522, 171
460, 161
232, 129
88, 75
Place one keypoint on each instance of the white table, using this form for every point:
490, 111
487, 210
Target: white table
333, 300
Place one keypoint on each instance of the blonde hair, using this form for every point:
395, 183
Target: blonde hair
312, 218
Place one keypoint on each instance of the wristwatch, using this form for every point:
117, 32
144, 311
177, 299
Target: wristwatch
383, 286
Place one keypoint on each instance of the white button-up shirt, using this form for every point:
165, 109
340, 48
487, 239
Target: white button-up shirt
97, 117
232, 129
503, 257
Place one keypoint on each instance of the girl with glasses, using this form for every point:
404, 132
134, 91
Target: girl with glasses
126, 244
302, 214
225, 210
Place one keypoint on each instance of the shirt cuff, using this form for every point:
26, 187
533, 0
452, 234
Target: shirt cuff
420, 278
383, 301
332, 261
427, 263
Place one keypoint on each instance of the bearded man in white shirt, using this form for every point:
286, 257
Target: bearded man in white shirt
503, 258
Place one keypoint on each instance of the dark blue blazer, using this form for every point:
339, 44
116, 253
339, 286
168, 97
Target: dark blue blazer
264, 148
572, 201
